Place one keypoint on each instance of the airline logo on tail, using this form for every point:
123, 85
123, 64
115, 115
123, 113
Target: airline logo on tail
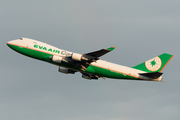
153, 64
156, 64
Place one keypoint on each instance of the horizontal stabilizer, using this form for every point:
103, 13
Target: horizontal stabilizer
153, 75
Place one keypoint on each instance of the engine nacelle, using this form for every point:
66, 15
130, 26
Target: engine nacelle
78, 57
86, 77
89, 77
57, 59
66, 71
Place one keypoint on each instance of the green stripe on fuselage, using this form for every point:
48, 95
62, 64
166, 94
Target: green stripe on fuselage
107, 73
37, 55
31, 53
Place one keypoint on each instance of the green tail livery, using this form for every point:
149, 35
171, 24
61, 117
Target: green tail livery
89, 64
156, 64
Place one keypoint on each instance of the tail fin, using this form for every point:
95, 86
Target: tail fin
156, 64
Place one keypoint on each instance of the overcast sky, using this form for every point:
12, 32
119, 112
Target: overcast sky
139, 29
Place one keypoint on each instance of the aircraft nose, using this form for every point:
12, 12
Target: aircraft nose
12, 43
8, 43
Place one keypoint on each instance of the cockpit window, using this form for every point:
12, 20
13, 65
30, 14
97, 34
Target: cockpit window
21, 38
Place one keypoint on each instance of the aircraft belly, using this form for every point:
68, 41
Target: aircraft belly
105, 72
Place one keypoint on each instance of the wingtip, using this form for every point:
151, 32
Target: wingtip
111, 48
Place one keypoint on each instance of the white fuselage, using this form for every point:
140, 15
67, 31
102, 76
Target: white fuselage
43, 47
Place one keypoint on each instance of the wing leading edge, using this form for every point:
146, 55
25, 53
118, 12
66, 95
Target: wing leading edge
99, 53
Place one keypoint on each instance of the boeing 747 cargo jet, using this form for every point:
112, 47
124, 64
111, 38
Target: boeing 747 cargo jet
88, 63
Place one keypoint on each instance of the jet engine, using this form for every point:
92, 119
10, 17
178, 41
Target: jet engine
86, 77
78, 57
66, 71
57, 59
89, 77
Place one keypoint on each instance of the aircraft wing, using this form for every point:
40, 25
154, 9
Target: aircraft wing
99, 53
82, 61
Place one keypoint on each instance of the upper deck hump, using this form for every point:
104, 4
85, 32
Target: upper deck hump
43, 47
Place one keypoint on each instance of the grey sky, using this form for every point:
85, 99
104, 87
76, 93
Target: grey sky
140, 30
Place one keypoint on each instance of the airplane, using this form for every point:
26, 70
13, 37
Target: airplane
89, 64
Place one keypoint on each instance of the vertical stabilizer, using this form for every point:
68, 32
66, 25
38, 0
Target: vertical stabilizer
156, 64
